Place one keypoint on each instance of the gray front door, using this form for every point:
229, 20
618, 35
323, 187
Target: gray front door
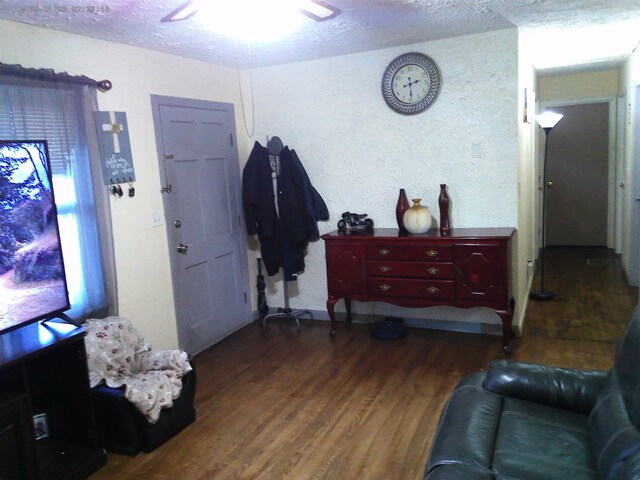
201, 180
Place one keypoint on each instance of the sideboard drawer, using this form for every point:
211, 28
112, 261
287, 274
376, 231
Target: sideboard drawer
381, 268
409, 252
409, 288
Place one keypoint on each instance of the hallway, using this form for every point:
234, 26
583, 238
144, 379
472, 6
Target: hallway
582, 325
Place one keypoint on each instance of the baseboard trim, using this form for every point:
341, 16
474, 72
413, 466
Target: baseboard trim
424, 323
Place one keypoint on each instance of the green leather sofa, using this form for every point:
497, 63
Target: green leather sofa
524, 421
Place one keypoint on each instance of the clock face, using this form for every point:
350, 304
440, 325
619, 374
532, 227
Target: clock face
411, 83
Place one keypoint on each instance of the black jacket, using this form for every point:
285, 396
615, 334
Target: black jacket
299, 204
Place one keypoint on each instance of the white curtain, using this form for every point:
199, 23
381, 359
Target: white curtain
62, 113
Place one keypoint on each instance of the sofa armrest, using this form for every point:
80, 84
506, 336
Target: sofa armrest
569, 389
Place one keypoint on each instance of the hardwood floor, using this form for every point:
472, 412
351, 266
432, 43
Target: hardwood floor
277, 403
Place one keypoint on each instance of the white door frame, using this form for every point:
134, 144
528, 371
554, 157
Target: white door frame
633, 197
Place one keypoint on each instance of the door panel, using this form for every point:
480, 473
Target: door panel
346, 269
578, 167
482, 269
200, 163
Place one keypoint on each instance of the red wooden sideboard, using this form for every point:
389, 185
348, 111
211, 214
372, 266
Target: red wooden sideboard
467, 268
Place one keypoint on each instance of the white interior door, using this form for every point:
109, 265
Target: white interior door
199, 163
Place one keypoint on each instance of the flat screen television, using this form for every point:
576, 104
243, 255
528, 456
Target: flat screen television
33, 284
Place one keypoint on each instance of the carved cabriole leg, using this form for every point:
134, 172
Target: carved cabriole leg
507, 327
347, 305
506, 334
331, 303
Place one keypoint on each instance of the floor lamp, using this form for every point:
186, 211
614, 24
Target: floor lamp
547, 121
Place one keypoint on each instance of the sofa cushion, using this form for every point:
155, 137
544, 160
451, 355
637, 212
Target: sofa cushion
485, 435
627, 368
459, 472
535, 422
615, 419
468, 427
615, 440
570, 389
538, 442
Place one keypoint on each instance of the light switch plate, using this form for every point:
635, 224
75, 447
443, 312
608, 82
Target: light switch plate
156, 219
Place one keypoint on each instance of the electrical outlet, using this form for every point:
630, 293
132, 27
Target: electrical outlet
156, 219
530, 268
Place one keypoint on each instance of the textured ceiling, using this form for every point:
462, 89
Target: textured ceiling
363, 25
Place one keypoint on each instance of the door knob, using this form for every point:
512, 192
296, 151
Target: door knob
182, 248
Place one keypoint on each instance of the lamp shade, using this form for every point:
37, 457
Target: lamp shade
548, 119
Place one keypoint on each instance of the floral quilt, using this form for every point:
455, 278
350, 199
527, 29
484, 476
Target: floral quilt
118, 356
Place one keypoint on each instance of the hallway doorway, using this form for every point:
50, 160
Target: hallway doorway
578, 176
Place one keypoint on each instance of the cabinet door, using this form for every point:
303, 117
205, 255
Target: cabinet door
482, 272
345, 269
17, 455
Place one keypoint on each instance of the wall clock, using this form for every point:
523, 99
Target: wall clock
411, 83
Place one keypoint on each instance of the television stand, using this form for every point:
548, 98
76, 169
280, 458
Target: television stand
44, 370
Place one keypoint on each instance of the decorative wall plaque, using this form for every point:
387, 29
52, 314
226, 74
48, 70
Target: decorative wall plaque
117, 162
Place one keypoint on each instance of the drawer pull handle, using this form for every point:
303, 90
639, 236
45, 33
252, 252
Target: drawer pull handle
433, 290
432, 270
385, 287
432, 253
385, 269
384, 251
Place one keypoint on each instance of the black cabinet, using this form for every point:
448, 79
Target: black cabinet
43, 370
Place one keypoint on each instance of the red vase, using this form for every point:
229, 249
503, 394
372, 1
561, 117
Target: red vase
401, 207
443, 203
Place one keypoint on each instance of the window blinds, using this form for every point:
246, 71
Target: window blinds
36, 113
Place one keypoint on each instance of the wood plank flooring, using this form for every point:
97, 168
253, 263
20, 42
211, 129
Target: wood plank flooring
277, 403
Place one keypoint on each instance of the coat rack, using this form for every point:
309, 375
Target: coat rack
274, 147
287, 312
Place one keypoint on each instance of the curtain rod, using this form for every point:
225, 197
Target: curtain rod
51, 75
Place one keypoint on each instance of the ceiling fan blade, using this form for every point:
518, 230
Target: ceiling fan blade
318, 10
184, 11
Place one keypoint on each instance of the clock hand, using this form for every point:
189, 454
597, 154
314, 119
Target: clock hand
410, 82
410, 89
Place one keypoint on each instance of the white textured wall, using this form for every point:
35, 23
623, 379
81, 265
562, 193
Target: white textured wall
359, 153
580, 85
630, 80
527, 188
144, 275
